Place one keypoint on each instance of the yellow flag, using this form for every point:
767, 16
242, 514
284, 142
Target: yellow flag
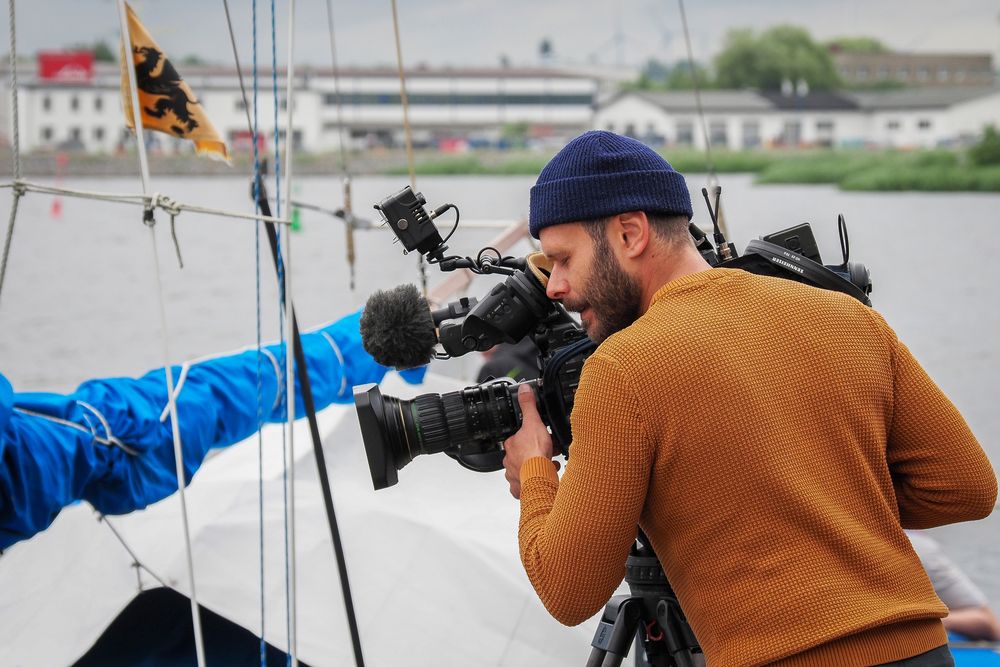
166, 102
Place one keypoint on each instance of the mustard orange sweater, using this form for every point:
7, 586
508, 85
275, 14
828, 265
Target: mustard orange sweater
772, 440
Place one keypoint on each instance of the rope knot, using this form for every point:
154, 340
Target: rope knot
170, 206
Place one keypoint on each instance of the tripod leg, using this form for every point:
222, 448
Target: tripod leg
615, 631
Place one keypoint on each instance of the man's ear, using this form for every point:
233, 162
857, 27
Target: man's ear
630, 231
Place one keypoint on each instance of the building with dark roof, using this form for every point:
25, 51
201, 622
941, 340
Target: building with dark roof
746, 119
924, 70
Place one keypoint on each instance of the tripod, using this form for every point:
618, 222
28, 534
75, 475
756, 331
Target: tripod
664, 632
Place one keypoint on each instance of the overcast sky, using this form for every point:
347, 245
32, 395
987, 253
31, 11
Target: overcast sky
480, 32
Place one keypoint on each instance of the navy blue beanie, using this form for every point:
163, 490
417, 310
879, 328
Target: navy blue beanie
600, 174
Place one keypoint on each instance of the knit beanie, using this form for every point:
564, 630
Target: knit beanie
599, 174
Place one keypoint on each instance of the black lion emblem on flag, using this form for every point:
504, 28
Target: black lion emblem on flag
166, 84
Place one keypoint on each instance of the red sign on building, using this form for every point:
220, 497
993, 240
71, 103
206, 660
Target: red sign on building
66, 66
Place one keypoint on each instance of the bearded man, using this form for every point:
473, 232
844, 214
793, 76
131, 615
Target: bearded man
779, 525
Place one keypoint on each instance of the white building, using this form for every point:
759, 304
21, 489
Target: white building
924, 118
461, 102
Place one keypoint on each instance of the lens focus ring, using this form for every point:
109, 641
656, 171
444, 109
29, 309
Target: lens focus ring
456, 416
431, 423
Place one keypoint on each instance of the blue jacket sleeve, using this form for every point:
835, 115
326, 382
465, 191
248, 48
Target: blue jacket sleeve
110, 442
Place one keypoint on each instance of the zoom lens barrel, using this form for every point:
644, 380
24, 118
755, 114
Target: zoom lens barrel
468, 425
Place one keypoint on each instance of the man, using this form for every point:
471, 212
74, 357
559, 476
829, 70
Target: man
772, 439
969, 612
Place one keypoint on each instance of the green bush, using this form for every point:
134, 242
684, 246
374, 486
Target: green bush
987, 151
938, 170
827, 167
725, 162
927, 179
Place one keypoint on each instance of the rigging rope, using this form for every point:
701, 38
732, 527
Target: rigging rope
138, 564
16, 143
14, 106
147, 201
713, 177
254, 137
174, 420
290, 339
282, 314
264, 206
336, 88
347, 214
407, 130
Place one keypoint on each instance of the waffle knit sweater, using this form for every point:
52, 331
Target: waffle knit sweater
772, 440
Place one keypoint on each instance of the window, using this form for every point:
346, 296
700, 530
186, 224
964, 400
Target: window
862, 74
46, 134
923, 73
46, 103
653, 136
685, 133
824, 133
791, 133
751, 134
718, 133
74, 134
98, 103
74, 103
463, 99
240, 105
943, 74
924, 124
883, 72
903, 73
892, 125
630, 130
98, 134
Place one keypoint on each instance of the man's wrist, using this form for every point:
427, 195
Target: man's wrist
538, 466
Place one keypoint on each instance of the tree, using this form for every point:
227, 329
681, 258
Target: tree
101, 49
987, 151
682, 77
103, 52
778, 54
656, 75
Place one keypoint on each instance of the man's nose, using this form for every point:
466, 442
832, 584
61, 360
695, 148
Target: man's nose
557, 287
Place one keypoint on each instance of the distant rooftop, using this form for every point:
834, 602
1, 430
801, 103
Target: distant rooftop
721, 101
711, 100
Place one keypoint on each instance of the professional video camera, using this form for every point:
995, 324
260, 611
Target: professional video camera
399, 329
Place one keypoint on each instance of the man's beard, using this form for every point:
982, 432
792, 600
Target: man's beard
612, 295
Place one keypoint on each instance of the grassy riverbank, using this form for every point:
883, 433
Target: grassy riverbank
887, 170
868, 170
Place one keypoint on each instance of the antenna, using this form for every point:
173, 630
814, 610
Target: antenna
845, 244
725, 249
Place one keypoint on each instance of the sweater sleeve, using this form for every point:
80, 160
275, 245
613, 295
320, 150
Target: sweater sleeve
940, 473
575, 534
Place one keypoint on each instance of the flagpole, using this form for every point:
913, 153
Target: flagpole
171, 402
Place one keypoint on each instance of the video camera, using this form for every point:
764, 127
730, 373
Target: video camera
398, 329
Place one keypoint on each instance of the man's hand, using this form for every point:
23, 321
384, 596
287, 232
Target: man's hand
531, 440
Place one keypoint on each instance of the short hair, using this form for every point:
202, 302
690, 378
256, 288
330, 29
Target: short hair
672, 229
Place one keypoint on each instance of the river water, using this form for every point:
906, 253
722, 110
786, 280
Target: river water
80, 299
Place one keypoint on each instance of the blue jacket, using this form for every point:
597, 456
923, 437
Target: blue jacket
106, 443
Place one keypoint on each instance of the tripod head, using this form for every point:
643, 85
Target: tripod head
652, 611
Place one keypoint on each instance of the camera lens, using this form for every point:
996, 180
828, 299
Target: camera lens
468, 425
